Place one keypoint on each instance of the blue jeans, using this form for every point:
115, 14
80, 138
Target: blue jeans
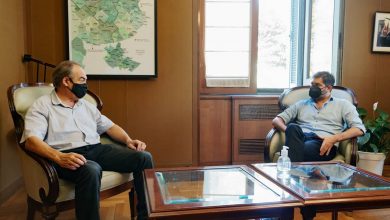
87, 178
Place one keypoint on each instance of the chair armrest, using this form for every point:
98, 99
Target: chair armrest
348, 148
106, 139
354, 151
274, 141
40, 176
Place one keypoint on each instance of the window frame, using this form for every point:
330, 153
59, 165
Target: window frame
303, 49
253, 54
337, 42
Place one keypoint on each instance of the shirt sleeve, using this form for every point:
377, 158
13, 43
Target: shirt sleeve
103, 123
351, 117
290, 113
36, 121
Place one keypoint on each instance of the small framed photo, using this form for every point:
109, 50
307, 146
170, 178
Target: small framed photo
381, 33
113, 39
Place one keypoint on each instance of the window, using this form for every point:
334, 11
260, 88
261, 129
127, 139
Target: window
268, 44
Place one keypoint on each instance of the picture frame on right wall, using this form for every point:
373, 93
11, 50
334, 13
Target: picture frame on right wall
381, 33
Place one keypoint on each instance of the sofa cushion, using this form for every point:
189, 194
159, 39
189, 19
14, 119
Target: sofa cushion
110, 180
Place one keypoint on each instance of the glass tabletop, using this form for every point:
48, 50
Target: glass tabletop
217, 186
326, 178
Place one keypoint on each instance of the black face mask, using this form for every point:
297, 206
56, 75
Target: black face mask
79, 90
315, 92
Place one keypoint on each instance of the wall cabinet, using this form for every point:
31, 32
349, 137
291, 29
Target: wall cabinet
215, 131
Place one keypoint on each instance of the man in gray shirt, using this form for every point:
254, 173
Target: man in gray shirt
66, 129
315, 126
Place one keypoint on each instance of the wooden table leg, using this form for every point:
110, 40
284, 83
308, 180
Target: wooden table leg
287, 214
335, 215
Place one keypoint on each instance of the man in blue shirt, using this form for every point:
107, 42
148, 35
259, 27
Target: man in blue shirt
66, 129
315, 126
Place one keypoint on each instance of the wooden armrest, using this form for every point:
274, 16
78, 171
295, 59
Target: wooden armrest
268, 139
51, 175
275, 139
348, 148
354, 151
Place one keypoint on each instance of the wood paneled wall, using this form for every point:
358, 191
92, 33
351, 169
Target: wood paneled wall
12, 38
157, 111
366, 72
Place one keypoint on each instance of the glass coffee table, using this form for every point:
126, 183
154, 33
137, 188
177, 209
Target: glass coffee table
220, 192
331, 186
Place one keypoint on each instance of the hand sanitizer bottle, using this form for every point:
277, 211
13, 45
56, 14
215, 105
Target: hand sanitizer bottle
284, 164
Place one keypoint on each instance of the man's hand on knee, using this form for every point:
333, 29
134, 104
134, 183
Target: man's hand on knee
136, 145
70, 161
327, 144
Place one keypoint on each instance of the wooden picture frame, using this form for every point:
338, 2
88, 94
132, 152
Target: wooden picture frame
381, 33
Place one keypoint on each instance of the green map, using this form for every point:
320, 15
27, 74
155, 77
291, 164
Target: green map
107, 23
116, 58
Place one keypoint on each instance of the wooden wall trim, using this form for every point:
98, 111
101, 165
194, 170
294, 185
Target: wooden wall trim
255, 97
215, 97
238, 97
195, 85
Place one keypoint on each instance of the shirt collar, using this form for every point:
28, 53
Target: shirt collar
313, 103
55, 100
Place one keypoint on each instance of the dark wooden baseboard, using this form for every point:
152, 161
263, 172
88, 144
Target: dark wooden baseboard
10, 189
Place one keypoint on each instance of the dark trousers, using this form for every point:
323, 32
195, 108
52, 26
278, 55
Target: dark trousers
305, 147
87, 178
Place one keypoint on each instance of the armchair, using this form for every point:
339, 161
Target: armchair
275, 139
46, 192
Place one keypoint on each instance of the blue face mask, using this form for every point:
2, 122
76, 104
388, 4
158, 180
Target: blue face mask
79, 90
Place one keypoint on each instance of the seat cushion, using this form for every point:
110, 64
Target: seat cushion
339, 158
110, 179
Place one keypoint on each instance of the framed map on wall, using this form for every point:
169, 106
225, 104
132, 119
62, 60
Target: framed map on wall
113, 38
